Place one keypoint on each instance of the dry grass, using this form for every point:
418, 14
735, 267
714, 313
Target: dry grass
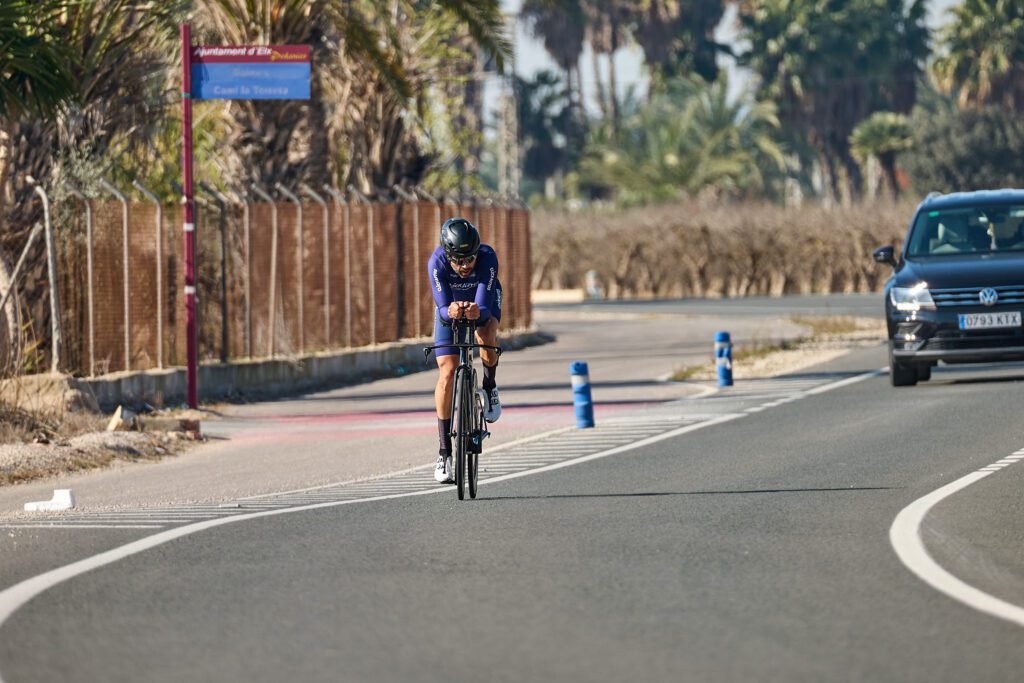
23, 462
771, 357
689, 249
42, 443
18, 425
830, 326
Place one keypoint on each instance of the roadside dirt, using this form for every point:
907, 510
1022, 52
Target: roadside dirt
804, 355
22, 462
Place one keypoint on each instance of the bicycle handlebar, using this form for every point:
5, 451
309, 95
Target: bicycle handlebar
458, 325
428, 349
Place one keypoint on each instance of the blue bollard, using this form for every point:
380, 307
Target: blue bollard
723, 358
581, 394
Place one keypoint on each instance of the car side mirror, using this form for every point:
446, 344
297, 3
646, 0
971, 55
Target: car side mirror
886, 255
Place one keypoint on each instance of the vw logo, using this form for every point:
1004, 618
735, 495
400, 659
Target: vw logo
988, 296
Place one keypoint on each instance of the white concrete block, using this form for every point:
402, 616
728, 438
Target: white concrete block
63, 499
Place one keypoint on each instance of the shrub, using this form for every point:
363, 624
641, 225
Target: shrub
691, 250
965, 150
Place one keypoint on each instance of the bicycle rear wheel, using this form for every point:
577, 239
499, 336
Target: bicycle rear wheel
463, 427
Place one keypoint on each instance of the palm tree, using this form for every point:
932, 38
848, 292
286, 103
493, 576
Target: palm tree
688, 140
35, 78
560, 26
828, 64
983, 54
374, 62
264, 134
882, 135
677, 37
117, 57
86, 84
547, 129
114, 55
608, 26
33, 61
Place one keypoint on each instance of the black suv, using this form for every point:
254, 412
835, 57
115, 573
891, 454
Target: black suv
957, 290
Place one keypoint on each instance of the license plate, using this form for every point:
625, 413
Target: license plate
988, 321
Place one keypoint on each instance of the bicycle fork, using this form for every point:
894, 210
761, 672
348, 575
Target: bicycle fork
480, 432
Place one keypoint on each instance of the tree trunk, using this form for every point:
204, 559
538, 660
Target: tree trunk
602, 101
613, 96
5, 171
580, 106
888, 162
830, 184
854, 180
9, 326
474, 105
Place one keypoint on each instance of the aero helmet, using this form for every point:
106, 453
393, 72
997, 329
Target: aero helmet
459, 238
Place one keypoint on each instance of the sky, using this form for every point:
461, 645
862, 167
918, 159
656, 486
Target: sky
531, 57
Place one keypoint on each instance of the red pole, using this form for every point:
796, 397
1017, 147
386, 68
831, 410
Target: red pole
189, 218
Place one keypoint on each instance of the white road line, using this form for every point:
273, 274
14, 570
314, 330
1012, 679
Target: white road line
17, 595
127, 519
411, 470
80, 526
183, 513
539, 453
845, 382
905, 536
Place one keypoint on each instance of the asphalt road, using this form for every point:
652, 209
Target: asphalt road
749, 541
388, 425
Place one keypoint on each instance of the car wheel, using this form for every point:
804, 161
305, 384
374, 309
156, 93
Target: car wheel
924, 373
901, 374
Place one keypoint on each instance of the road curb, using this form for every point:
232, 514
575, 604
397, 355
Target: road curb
269, 378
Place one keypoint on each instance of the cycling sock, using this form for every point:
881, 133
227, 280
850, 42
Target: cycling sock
444, 435
489, 372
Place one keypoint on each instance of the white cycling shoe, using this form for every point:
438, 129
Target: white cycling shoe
492, 406
443, 470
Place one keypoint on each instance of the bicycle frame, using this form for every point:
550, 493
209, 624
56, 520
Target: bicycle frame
468, 426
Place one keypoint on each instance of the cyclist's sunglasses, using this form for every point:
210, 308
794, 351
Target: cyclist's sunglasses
463, 260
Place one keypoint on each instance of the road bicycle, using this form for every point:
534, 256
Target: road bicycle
469, 429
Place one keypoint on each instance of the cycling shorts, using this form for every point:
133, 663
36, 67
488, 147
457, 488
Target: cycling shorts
443, 333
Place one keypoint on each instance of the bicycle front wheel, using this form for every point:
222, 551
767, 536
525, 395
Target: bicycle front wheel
463, 419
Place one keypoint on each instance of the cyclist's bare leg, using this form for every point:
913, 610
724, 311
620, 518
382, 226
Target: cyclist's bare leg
445, 385
488, 334
443, 403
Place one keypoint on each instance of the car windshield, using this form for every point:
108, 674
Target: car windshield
968, 230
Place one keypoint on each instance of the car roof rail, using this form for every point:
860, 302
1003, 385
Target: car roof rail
933, 194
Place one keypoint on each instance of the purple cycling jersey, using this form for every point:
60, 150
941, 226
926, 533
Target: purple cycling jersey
480, 286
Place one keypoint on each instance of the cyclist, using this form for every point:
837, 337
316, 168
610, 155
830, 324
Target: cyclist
464, 280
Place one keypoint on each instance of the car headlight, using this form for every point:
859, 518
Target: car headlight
914, 298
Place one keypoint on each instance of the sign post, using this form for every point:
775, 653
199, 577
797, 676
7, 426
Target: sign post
188, 208
226, 72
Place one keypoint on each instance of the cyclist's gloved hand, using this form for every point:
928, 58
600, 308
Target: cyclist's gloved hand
472, 311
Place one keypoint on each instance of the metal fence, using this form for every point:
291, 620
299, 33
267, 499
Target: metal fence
274, 278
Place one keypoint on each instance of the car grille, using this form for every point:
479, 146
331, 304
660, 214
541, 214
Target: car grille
969, 296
